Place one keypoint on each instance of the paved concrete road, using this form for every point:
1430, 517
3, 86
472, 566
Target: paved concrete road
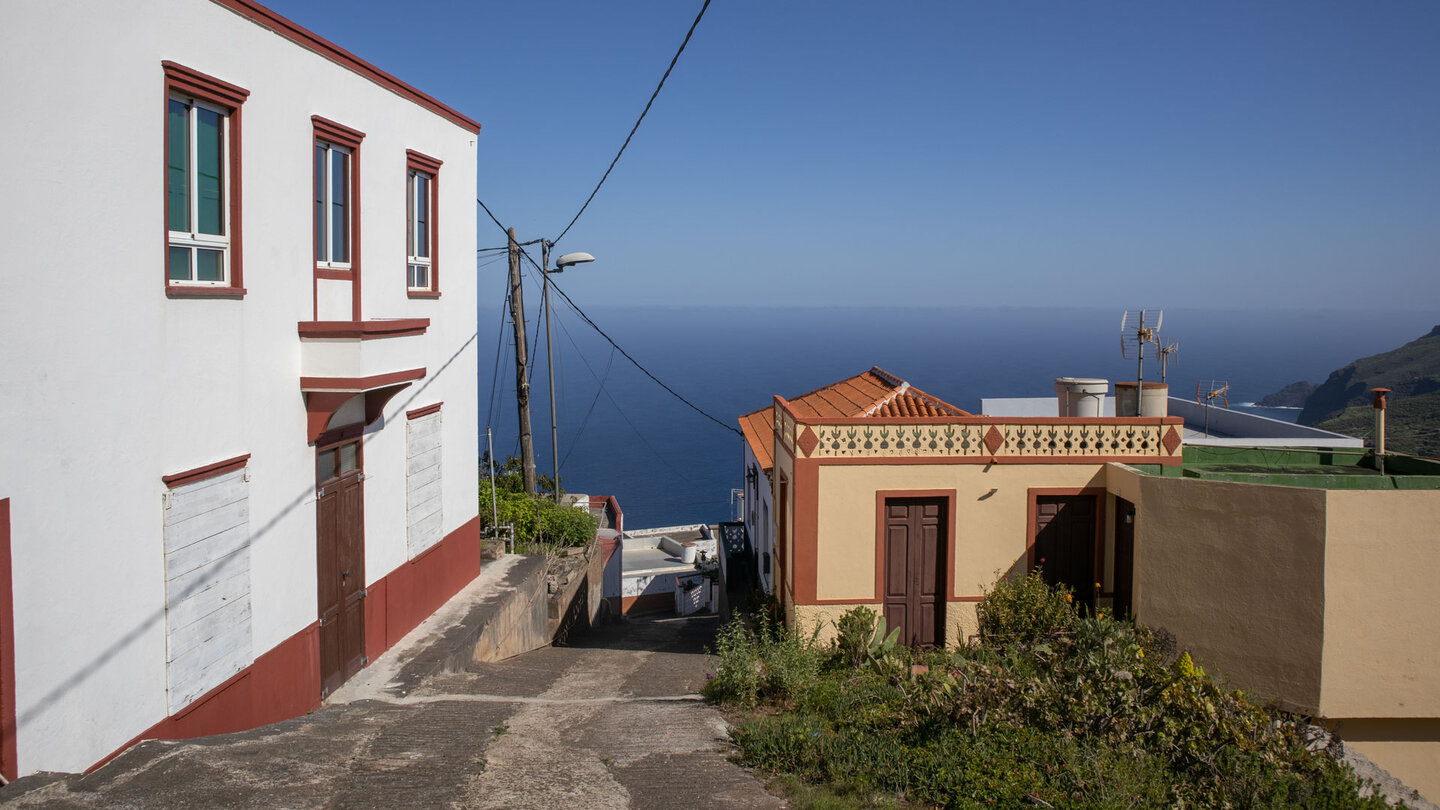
612, 722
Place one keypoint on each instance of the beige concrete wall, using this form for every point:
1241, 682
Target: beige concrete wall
1408, 749
990, 528
808, 617
1237, 573
1382, 621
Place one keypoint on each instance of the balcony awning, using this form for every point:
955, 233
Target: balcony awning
343, 360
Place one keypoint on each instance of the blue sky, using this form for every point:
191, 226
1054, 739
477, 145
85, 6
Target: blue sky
1200, 154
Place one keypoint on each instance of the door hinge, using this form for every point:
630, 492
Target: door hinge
364, 592
364, 660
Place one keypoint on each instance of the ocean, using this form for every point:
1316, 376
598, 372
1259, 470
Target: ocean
621, 434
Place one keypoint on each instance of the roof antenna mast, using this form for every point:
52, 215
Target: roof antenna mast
1135, 335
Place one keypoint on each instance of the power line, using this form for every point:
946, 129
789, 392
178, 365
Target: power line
636, 363
679, 473
599, 389
492, 215
499, 350
673, 60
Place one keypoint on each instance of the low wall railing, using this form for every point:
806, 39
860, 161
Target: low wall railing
1148, 440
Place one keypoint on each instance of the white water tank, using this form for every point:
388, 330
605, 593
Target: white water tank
1081, 396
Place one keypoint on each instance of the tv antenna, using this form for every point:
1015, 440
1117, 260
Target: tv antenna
1206, 392
1140, 336
1165, 351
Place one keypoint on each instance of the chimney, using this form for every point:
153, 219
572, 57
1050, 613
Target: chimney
1379, 406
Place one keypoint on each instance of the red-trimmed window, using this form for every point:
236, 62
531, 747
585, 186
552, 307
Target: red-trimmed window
336, 198
202, 183
422, 196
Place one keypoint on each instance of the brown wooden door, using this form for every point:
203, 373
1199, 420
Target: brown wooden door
914, 559
1065, 543
340, 550
1124, 558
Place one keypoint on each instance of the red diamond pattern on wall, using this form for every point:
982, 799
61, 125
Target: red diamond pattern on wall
1171, 440
808, 440
993, 440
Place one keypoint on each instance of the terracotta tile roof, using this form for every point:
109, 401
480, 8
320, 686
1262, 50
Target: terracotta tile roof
875, 393
759, 432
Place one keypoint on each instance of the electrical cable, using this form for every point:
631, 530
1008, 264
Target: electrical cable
502, 228
535, 343
653, 95
600, 389
499, 350
641, 436
636, 363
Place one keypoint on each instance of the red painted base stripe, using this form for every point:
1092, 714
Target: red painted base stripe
285, 681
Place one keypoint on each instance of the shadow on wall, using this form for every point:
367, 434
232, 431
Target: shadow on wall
49, 699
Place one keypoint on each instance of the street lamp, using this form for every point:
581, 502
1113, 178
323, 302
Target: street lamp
568, 260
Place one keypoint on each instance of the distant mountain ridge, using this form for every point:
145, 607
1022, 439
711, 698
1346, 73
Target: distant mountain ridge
1291, 396
1409, 371
1412, 372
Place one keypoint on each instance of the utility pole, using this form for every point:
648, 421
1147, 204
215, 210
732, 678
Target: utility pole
522, 382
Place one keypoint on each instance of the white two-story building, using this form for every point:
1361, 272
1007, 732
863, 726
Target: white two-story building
238, 431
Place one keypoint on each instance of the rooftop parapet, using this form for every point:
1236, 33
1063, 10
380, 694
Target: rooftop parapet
980, 439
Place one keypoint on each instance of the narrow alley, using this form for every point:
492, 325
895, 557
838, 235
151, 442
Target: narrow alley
614, 721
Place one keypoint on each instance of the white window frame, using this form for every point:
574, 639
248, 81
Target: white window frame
194, 239
414, 263
329, 221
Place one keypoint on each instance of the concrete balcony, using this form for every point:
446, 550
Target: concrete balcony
364, 362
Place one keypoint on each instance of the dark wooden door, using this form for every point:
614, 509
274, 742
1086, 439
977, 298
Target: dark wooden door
1124, 558
914, 599
340, 550
1065, 543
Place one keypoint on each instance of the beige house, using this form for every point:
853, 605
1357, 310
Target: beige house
1300, 575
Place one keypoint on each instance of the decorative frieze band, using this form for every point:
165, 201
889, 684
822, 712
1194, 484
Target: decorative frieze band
983, 439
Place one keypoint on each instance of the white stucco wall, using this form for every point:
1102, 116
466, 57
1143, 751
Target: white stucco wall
760, 528
106, 384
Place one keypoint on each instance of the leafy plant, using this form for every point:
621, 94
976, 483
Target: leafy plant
1048, 709
860, 636
760, 657
536, 518
1025, 611
853, 634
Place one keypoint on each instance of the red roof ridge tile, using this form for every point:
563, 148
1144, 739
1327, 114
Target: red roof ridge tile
875, 393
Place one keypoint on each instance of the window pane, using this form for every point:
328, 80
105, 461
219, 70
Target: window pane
325, 465
209, 265
422, 215
210, 182
320, 252
348, 457
339, 198
419, 276
179, 264
177, 166
410, 215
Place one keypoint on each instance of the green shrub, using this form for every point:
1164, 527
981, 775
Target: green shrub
853, 634
536, 518
566, 525
759, 657
1025, 611
1050, 709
